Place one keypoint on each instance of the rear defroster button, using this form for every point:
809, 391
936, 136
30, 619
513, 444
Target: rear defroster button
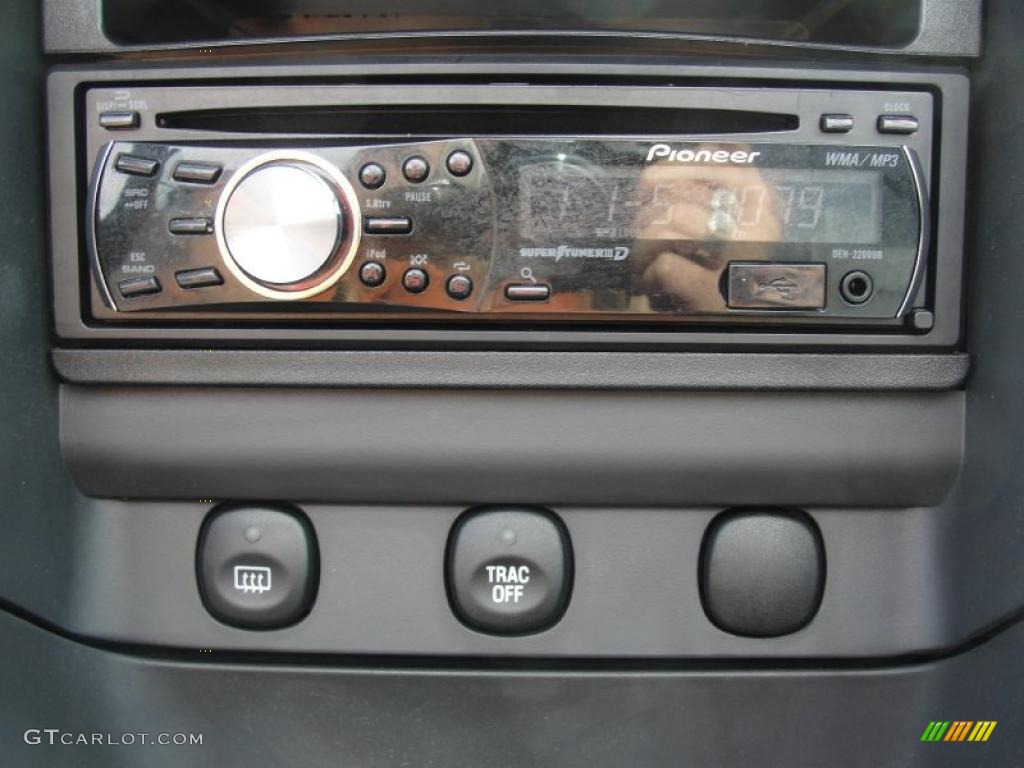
509, 570
257, 566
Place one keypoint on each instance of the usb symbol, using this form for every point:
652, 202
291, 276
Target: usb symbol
780, 285
252, 578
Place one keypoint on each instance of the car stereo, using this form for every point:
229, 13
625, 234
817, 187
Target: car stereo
516, 206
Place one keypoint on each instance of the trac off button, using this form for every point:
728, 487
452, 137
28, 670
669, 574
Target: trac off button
509, 569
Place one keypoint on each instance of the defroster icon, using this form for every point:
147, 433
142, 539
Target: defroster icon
252, 579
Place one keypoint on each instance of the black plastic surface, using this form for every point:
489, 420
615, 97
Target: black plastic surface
948, 27
35, 490
465, 447
331, 712
514, 370
984, 534
861, 23
762, 572
635, 592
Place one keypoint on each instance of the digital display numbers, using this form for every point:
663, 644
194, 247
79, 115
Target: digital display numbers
564, 200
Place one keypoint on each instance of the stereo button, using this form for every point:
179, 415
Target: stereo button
459, 287
528, 292
198, 278
509, 570
119, 121
897, 124
136, 166
138, 286
416, 169
372, 176
197, 173
836, 123
460, 163
372, 274
192, 226
415, 280
387, 225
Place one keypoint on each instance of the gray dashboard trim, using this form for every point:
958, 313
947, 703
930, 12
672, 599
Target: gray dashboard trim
507, 370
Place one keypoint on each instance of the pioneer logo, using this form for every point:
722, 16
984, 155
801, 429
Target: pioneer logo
617, 253
665, 152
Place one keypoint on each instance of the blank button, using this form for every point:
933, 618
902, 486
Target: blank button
762, 572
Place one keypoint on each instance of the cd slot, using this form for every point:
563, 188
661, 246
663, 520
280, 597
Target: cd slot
431, 121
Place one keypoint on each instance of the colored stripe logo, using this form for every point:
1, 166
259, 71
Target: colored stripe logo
959, 730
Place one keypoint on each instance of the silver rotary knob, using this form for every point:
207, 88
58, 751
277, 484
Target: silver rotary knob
284, 224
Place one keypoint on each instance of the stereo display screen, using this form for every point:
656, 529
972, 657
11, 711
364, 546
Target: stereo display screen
574, 200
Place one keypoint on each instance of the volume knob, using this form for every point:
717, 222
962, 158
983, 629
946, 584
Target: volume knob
284, 225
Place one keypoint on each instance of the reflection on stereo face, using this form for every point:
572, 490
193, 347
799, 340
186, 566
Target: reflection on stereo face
641, 207
606, 227
571, 199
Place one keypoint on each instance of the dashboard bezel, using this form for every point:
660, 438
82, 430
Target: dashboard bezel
73, 296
